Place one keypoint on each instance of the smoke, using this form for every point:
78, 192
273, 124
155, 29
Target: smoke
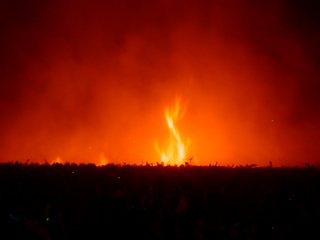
90, 78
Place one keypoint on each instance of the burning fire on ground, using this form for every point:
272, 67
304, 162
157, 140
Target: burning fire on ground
102, 160
176, 151
57, 160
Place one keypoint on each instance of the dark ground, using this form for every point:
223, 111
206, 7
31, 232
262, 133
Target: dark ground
143, 202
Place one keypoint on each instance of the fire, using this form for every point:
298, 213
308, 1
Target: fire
176, 150
103, 160
57, 160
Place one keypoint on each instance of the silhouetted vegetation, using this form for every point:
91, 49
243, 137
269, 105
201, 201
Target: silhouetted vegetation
70, 201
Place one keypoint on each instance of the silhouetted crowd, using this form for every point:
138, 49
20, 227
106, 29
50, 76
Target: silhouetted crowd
162, 202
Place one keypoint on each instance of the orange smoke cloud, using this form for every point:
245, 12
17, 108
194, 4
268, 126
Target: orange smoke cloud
83, 78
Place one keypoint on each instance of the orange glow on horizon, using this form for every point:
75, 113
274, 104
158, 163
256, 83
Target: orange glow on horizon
92, 82
57, 160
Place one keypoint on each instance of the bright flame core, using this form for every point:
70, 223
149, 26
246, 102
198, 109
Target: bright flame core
176, 150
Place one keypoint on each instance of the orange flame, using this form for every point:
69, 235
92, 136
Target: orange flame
103, 160
176, 150
57, 160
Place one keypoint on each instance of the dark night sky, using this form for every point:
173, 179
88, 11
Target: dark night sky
85, 78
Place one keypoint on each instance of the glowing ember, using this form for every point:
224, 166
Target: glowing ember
176, 150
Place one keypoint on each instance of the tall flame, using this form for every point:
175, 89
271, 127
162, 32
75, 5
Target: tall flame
176, 150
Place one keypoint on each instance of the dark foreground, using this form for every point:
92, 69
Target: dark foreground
135, 202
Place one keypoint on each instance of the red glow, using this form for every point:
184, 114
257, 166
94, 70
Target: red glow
90, 80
